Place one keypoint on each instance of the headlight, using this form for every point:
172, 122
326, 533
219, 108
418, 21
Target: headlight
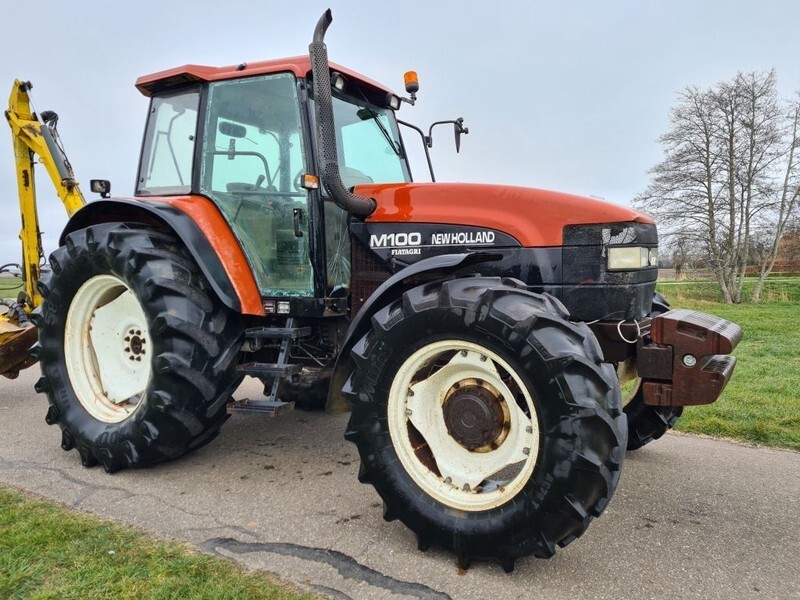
632, 257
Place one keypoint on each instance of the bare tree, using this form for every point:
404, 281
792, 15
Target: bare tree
683, 254
717, 179
788, 197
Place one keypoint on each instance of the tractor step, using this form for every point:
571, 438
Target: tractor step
277, 333
269, 408
271, 374
278, 370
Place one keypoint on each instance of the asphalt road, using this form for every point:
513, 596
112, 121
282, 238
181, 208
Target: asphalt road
692, 517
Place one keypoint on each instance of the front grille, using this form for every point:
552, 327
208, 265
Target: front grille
368, 274
604, 234
590, 291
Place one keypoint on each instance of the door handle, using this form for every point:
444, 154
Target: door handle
297, 214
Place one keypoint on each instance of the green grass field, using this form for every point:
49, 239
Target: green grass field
9, 286
774, 291
48, 552
761, 404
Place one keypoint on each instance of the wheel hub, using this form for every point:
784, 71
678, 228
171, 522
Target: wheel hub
474, 416
135, 345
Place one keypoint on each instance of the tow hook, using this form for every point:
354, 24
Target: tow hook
685, 360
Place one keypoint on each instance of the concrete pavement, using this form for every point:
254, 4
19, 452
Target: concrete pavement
692, 517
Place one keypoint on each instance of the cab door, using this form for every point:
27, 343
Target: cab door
252, 162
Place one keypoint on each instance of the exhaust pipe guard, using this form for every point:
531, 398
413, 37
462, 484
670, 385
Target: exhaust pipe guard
326, 134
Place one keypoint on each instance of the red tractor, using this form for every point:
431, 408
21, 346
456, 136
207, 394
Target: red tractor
480, 335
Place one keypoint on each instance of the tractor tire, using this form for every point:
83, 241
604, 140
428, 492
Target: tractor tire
309, 391
648, 423
486, 421
138, 355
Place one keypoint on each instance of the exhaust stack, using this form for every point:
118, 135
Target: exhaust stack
326, 134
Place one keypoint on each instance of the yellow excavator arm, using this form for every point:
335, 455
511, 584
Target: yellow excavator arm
34, 136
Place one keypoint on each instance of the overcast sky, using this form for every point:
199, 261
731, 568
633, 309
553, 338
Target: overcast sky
561, 95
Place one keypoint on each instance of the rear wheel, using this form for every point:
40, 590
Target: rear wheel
485, 420
137, 354
645, 423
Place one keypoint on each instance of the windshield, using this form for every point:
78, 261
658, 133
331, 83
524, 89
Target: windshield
368, 143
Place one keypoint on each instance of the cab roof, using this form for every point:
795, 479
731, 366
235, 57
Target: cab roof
299, 65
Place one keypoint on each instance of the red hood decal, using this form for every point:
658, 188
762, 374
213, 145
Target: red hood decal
534, 217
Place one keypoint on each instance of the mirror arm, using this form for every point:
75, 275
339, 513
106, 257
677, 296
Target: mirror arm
426, 143
458, 125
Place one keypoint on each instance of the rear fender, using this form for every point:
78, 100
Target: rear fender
436, 268
201, 228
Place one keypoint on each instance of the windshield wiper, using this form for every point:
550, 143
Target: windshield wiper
376, 118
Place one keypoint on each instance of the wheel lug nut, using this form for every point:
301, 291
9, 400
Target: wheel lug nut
464, 353
448, 480
529, 429
466, 487
526, 451
409, 412
138, 332
483, 358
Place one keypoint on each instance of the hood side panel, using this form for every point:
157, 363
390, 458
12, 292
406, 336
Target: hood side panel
534, 217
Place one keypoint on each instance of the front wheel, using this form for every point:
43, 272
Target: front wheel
137, 354
485, 420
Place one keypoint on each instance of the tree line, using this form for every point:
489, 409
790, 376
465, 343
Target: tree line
728, 185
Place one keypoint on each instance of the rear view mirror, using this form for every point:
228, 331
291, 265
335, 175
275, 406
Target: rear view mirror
232, 129
458, 129
101, 186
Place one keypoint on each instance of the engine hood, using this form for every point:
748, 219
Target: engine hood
534, 217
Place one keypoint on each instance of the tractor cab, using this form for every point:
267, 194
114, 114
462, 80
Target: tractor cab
244, 137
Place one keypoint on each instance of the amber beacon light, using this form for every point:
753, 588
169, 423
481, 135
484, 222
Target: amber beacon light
412, 82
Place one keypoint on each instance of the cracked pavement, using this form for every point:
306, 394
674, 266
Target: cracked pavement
692, 517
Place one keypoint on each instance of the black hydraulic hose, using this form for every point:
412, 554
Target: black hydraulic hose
326, 133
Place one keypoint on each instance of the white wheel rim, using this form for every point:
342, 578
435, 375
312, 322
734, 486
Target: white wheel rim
107, 349
474, 479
